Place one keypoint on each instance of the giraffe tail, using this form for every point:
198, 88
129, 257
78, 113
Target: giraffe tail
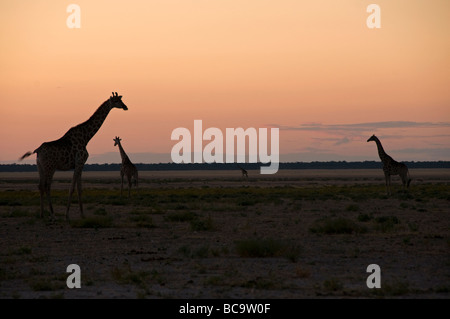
26, 155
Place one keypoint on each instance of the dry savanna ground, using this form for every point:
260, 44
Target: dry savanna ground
212, 234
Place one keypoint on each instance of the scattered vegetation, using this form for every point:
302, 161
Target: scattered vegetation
18, 212
203, 251
413, 227
233, 278
352, 208
338, 225
142, 220
203, 224
332, 284
268, 247
395, 288
180, 216
364, 217
183, 199
23, 250
386, 223
46, 284
124, 275
100, 211
301, 272
260, 213
92, 222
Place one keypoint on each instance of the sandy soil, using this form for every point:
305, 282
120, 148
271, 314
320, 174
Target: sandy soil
173, 259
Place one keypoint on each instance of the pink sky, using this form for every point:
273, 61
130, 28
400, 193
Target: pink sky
312, 68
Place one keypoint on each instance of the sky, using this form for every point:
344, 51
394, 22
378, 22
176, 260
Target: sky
312, 68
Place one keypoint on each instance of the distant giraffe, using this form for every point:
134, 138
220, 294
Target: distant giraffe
391, 167
127, 168
244, 172
69, 152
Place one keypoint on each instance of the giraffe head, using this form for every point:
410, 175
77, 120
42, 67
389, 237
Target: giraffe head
372, 138
117, 140
116, 101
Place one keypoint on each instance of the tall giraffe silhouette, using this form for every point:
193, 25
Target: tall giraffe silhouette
391, 167
69, 152
127, 168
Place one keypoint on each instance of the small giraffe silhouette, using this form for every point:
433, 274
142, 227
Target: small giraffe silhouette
391, 167
244, 172
69, 152
127, 168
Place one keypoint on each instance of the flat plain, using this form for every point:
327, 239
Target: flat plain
213, 234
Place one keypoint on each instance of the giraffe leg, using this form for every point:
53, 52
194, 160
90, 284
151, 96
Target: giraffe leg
79, 195
72, 188
136, 182
408, 179
129, 185
46, 188
42, 190
389, 184
82, 158
45, 181
45, 185
403, 177
121, 186
387, 178
76, 180
49, 198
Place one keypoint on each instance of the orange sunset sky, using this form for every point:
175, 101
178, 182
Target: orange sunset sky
312, 68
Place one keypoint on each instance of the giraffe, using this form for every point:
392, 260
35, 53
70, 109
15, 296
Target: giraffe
69, 152
127, 168
391, 167
244, 172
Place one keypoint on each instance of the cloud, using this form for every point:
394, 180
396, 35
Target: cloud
318, 155
316, 150
341, 141
362, 127
432, 154
417, 137
336, 141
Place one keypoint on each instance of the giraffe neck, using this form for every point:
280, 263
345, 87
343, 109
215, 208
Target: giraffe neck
123, 155
85, 131
381, 151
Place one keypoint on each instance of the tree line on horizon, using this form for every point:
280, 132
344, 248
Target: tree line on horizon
234, 166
